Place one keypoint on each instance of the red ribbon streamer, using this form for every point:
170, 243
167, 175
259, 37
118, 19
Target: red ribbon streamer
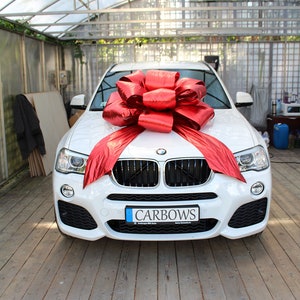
158, 101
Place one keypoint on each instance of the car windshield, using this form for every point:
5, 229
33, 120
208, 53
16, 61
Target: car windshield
215, 95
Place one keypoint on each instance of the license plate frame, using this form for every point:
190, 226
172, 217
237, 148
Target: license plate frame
159, 215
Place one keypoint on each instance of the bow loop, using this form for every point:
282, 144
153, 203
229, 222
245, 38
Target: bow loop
160, 99
156, 79
118, 113
131, 93
137, 77
190, 88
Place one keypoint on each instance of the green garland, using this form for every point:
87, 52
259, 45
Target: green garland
24, 28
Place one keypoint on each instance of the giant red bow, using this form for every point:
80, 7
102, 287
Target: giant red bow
158, 101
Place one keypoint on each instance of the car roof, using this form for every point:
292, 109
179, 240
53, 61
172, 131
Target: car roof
160, 65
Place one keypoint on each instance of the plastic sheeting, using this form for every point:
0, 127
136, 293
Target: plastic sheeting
260, 107
66, 12
10, 84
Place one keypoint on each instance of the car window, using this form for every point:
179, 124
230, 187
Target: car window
215, 96
107, 86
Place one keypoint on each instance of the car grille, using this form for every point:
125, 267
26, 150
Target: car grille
136, 173
185, 172
123, 227
145, 173
249, 214
75, 216
161, 197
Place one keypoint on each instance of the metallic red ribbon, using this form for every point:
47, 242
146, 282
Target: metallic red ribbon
158, 101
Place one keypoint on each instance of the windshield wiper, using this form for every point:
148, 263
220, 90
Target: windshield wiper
96, 109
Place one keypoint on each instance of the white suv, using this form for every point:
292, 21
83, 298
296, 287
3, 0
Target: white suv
161, 184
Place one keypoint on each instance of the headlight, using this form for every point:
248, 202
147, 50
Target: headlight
255, 159
70, 162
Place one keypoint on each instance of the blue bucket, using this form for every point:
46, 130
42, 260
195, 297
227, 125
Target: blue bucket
281, 136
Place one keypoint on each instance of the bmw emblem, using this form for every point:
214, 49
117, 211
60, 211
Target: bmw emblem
161, 151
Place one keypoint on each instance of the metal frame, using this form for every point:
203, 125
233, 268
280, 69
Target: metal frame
192, 18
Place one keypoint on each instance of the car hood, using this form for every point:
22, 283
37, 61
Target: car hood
228, 126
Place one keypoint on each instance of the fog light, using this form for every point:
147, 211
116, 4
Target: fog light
257, 188
67, 191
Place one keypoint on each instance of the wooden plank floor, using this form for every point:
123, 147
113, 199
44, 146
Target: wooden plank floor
36, 262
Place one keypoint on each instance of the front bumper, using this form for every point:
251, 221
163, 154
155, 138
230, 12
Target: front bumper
227, 208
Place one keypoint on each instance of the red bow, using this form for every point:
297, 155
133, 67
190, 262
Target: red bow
158, 101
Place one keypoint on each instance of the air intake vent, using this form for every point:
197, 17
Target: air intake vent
249, 214
75, 216
122, 227
161, 197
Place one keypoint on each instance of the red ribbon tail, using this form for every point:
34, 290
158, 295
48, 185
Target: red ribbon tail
218, 156
106, 152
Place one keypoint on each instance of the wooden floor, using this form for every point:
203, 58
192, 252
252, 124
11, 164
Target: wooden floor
36, 262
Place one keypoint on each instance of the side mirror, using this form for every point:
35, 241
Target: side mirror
243, 99
77, 102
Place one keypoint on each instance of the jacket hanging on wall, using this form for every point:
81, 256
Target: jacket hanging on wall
27, 127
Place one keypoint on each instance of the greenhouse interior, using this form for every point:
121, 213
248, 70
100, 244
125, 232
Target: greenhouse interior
54, 53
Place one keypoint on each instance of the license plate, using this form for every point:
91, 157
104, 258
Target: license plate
155, 215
